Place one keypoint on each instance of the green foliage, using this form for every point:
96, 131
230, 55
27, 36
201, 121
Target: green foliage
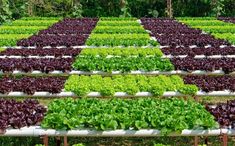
20, 29
125, 10
32, 22
118, 34
79, 144
123, 52
124, 29
2, 49
11, 39
169, 115
229, 6
205, 22
120, 19
131, 84
219, 29
217, 7
122, 25
11, 32
160, 144
189, 89
120, 40
117, 23
40, 18
123, 64
77, 11
5, 13
227, 36
154, 13
116, 8
195, 18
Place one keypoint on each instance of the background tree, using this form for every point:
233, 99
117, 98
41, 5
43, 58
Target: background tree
169, 9
217, 7
5, 13
125, 8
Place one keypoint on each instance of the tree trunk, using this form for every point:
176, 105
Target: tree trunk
30, 8
122, 3
169, 9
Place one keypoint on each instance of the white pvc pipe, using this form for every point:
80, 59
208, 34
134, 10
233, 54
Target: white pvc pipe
78, 47
84, 46
230, 132
165, 94
194, 46
37, 131
196, 72
39, 94
23, 132
172, 56
110, 56
117, 94
37, 57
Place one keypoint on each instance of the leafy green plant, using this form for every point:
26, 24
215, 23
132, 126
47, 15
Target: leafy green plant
79, 144
196, 18
227, 36
120, 40
159, 144
205, 22
123, 64
117, 23
11, 39
32, 22
2, 49
40, 18
118, 18
117, 29
123, 52
219, 29
189, 89
20, 29
131, 84
11, 32
169, 115
119, 34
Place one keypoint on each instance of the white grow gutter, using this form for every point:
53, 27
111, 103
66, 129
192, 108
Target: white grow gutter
117, 94
57, 72
84, 46
38, 131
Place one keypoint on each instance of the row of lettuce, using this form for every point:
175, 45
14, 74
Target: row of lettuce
11, 32
91, 60
217, 28
118, 32
90, 85
130, 84
111, 31
108, 32
167, 115
122, 59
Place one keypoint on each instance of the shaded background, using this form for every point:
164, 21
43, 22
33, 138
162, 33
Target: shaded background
14, 9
